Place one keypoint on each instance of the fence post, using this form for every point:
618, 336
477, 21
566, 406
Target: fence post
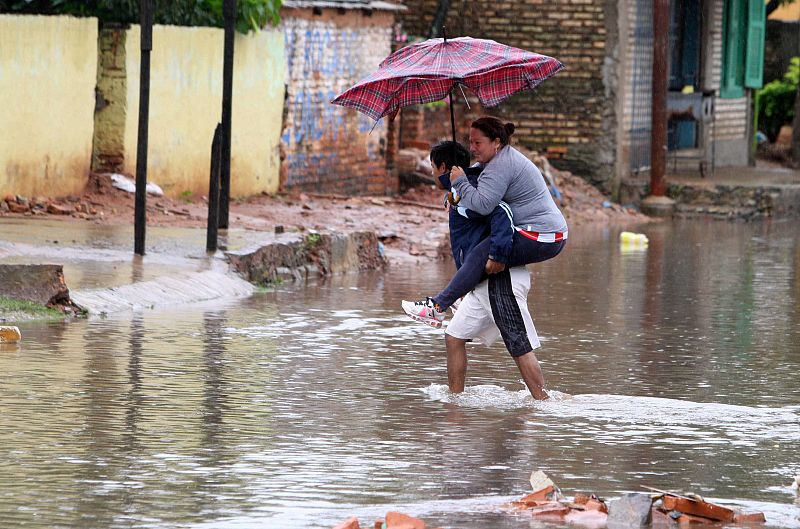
140, 209
229, 12
213, 192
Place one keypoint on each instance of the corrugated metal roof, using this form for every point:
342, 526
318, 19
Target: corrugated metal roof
377, 5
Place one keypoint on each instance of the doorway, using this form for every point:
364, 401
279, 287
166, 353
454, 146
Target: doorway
685, 99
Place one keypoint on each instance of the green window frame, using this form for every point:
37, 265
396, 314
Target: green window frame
743, 31
756, 32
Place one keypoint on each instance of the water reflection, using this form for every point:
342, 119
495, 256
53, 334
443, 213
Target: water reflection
301, 407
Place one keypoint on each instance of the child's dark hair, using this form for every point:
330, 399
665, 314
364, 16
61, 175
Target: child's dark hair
449, 153
494, 129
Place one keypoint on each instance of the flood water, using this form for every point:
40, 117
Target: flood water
302, 406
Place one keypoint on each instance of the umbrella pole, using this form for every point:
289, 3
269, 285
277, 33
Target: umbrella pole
452, 115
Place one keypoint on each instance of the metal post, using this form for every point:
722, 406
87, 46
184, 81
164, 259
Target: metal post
452, 115
213, 192
450, 95
229, 12
658, 144
146, 40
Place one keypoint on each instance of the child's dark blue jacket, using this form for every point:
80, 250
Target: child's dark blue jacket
467, 228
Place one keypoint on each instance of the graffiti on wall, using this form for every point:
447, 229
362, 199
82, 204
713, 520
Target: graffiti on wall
323, 60
313, 117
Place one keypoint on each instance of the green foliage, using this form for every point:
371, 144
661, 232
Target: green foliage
17, 310
312, 239
775, 102
435, 104
251, 14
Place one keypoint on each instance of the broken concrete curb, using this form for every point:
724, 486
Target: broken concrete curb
39, 283
303, 257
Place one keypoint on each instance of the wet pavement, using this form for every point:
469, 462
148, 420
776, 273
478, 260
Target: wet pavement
101, 255
302, 406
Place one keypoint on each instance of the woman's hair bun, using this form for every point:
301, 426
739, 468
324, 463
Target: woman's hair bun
510, 128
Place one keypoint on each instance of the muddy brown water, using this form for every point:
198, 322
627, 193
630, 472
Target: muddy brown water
302, 406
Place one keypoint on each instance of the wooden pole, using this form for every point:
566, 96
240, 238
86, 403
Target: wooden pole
229, 12
658, 143
140, 209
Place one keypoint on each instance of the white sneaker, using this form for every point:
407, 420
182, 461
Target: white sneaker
424, 311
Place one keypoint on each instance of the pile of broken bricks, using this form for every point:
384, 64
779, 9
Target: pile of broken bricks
547, 504
693, 509
637, 510
658, 508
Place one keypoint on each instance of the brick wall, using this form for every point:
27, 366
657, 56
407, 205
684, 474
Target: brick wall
574, 110
328, 148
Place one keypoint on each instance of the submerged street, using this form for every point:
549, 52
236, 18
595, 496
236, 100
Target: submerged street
304, 405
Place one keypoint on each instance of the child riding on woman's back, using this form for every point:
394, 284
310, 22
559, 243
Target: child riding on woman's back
504, 179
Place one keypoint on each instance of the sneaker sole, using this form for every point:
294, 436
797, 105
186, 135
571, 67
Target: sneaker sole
433, 323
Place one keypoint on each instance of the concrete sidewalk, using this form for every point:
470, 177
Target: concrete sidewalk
104, 275
763, 174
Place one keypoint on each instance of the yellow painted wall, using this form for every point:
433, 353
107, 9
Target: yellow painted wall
48, 71
186, 105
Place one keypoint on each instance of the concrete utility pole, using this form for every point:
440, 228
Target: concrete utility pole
146, 41
229, 12
657, 203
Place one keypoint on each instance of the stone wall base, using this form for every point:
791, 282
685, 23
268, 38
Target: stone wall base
736, 201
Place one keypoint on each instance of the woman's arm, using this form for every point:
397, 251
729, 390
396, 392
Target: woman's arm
492, 186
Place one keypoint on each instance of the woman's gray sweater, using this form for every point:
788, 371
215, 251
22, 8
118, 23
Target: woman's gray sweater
511, 177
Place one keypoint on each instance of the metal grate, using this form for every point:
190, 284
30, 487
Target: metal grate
641, 86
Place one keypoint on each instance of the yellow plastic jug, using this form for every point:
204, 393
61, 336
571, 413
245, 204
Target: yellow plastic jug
633, 239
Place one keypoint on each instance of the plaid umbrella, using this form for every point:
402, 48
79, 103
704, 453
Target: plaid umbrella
428, 71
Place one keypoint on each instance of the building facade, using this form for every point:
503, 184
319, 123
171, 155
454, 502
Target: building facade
330, 46
595, 116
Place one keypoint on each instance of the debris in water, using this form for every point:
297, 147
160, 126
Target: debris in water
9, 334
393, 520
546, 502
589, 511
631, 510
691, 508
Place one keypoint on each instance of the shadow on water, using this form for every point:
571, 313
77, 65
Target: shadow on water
300, 407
